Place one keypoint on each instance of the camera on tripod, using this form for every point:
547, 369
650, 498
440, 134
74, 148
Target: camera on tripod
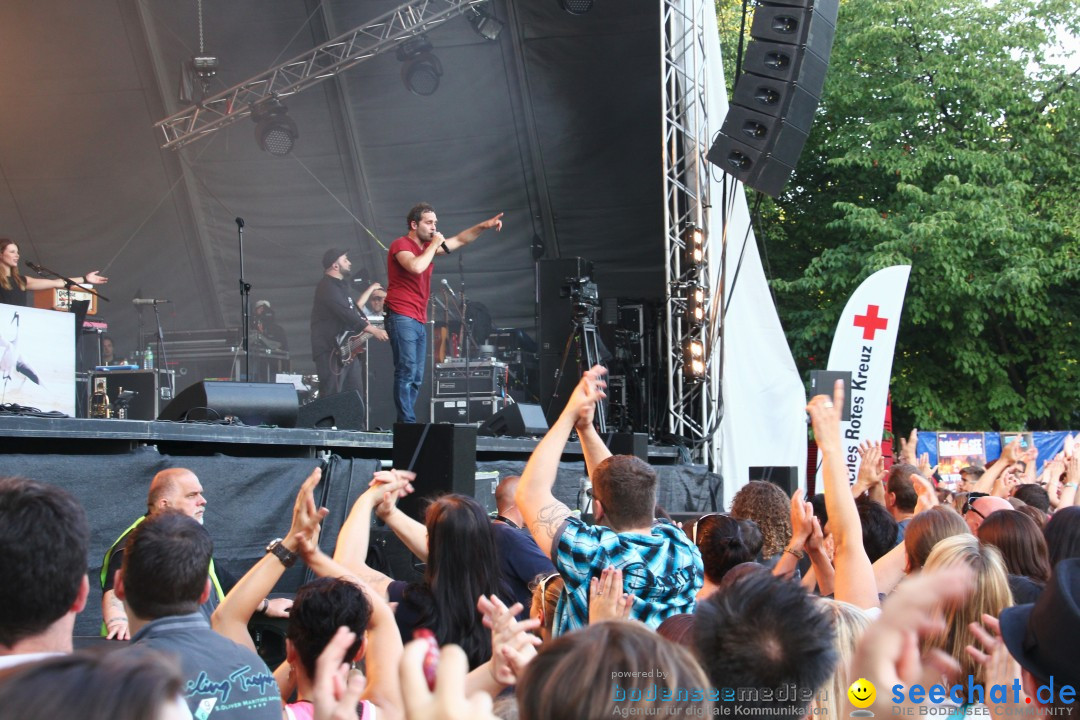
584, 296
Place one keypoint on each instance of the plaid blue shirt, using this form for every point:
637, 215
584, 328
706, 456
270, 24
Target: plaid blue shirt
662, 570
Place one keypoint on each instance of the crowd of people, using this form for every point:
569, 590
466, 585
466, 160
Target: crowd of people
889, 596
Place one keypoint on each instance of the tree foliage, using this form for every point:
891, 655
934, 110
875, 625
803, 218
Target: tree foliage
946, 139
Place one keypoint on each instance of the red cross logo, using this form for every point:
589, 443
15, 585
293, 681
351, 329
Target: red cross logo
870, 322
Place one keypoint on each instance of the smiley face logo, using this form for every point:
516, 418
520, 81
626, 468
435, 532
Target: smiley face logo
862, 693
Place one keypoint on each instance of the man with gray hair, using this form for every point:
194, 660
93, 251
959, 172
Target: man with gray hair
176, 489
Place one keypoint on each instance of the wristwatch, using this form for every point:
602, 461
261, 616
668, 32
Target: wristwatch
282, 553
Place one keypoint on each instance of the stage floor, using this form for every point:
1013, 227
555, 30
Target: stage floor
26, 434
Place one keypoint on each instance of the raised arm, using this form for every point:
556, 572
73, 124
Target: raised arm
352, 542
592, 445
362, 300
467, 236
854, 574
232, 615
871, 472
802, 527
409, 531
1009, 455
543, 514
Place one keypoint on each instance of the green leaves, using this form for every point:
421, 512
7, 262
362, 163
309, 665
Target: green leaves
945, 139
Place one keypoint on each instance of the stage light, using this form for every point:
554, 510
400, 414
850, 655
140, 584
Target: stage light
694, 361
275, 131
421, 69
695, 305
576, 7
485, 25
693, 247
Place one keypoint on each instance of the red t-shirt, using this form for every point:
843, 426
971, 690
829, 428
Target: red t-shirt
407, 294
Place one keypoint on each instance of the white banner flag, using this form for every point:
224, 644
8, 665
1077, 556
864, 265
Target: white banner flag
863, 345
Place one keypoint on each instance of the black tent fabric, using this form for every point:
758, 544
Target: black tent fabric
556, 123
249, 502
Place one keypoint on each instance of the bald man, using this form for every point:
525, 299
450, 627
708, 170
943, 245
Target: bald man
172, 489
980, 508
521, 560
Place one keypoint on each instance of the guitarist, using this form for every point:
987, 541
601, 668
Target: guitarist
332, 314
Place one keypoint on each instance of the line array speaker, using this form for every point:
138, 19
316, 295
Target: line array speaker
775, 98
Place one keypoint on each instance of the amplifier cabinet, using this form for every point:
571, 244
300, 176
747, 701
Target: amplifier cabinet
483, 378
479, 410
152, 387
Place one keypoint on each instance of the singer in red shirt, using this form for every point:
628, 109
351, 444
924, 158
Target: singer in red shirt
409, 268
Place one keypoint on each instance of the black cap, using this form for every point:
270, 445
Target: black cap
330, 257
1043, 636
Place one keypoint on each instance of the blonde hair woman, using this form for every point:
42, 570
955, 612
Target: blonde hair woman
851, 622
990, 596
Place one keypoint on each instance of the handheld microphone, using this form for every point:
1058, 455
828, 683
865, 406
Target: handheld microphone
240, 222
445, 249
446, 285
148, 301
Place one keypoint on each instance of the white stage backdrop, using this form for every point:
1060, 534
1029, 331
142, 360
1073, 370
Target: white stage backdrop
37, 358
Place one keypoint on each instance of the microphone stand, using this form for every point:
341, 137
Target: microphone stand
161, 354
245, 301
68, 282
466, 331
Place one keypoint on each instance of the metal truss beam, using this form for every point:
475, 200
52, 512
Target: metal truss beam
692, 405
318, 64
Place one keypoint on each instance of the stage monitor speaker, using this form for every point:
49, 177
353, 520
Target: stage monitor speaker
784, 476
443, 458
252, 403
782, 79
342, 411
517, 420
629, 443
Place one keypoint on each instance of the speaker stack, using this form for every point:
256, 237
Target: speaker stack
775, 98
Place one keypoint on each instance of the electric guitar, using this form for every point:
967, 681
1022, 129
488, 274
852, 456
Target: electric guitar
350, 345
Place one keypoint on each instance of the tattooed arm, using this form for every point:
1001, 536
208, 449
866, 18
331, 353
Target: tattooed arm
543, 514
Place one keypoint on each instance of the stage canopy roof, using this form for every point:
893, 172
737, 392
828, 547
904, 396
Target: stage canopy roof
556, 123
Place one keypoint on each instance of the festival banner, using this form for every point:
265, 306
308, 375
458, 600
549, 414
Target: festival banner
863, 345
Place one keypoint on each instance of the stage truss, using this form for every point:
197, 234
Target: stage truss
692, 403
320, 63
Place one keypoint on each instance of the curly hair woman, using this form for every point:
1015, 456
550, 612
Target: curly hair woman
768, 506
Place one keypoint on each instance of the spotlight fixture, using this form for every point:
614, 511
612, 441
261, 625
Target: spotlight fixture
694, 360
576, 7
421, 69
694, 247
695, 305
485, 25
275, 131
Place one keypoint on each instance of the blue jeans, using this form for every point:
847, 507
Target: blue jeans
408, 342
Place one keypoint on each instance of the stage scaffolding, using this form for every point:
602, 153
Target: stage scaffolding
693, 406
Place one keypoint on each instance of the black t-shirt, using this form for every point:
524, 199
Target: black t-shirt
14, 296
332, 314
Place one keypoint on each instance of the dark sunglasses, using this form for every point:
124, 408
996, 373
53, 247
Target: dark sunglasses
969, 504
